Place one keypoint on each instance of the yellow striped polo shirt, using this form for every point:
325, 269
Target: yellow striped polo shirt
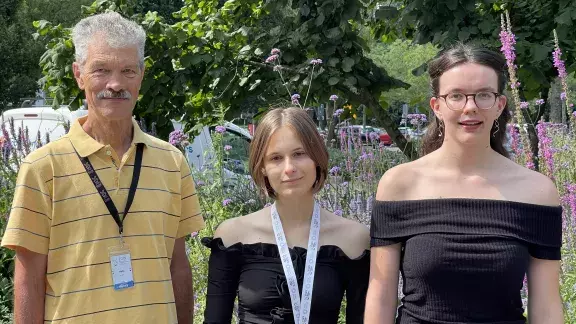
58, 212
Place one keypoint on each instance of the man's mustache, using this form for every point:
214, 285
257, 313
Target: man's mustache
108, 94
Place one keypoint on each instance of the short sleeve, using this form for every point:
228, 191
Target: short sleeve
356, 288
382, 224
191, 215
31, 214
223, 275
545, 252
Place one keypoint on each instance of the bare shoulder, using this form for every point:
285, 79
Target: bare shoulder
395, 182
237, 229
351, 236
543, 189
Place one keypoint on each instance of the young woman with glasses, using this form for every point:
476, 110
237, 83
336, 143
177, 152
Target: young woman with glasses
464, 224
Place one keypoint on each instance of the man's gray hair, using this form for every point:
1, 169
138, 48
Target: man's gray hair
118, 32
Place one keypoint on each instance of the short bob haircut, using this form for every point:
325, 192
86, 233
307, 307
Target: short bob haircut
305, 129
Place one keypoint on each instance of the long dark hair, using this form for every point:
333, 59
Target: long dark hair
457, 55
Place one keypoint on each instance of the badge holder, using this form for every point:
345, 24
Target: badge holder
121, 266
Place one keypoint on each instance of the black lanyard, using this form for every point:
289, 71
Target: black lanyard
104, 193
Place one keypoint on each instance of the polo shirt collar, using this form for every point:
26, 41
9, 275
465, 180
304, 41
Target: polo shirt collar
86, 145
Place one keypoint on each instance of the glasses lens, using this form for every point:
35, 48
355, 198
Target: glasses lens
456, 101
485, 100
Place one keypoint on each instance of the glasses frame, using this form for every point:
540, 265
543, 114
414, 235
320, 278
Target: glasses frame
496, 95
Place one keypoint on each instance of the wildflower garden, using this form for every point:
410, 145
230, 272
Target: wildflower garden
217, 61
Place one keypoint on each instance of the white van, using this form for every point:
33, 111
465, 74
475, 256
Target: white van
44, 119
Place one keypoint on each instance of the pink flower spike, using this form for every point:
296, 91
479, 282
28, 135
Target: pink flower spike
272, 58
275, 51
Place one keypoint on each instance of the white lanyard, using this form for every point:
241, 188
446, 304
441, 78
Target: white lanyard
300, 308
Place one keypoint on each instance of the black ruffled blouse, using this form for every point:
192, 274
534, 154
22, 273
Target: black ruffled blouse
254, 273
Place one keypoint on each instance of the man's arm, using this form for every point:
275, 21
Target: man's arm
29, 287
182, 282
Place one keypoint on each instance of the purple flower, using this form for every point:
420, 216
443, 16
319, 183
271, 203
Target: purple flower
345, 184
574, 114
295, 98
508, 41
226, 202
194, 234
277, 68
333, 97
524, 105
338, 112
563, 96
227, 147
316, 61
271, 58
558, 63
539, 101
334, 170
200, 183
177, 137
338, 212
220, 129
274, 51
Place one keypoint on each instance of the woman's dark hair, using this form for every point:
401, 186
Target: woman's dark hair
446, 60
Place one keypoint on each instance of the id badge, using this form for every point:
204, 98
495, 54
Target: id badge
121, 266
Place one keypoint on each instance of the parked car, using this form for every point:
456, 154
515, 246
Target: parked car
364, 133
384, 137
199, 151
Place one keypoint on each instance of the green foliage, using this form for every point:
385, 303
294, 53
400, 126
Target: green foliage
446, 22
18, 62
213, 54
400, 58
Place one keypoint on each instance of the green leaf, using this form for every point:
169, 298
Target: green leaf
386, 12
463, 35
540, 52
347, 64
320, 19
254, 85
305, 10
245, 49
333, 81
258, 51
190, 60
351, 80
333, 32
565, 18
452, 4
243, 81
486, 26
333, 61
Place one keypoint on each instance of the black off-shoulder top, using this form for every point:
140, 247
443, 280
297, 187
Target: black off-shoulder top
254, 273
464, 260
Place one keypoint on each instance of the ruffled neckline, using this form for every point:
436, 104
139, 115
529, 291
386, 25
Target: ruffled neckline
325, 252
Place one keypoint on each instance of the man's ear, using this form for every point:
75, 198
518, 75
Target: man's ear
78, 75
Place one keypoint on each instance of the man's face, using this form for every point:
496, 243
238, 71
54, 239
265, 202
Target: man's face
110, 78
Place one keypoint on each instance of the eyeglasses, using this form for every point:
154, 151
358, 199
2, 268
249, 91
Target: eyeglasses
483, 99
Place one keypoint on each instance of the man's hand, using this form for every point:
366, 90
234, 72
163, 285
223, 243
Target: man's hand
29, 287
182, 282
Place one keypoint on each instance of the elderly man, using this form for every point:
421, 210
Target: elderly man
100, 216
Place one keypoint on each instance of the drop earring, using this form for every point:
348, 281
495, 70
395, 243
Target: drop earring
440, 127
497, 124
